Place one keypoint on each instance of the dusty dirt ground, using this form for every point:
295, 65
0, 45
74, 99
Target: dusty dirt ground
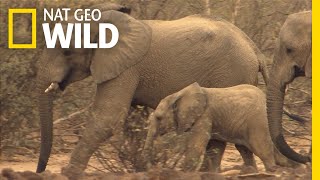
24, 160
231, 167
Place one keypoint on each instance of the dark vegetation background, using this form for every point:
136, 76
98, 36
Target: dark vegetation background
259, 19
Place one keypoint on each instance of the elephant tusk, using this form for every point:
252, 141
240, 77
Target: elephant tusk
53, 86
287, 88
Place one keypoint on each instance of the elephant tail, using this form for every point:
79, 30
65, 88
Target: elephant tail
262, 59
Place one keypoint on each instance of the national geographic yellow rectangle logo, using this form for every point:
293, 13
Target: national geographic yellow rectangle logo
34, 28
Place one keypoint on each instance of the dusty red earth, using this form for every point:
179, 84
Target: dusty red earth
22, 166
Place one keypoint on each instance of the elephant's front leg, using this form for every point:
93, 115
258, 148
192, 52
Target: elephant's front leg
196, 147
147, 158
111, 106
214, 153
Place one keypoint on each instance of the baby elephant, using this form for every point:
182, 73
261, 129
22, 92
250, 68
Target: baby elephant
215, 116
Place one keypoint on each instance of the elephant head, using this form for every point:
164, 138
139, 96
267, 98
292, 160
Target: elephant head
292, 58
180, 110
60, 67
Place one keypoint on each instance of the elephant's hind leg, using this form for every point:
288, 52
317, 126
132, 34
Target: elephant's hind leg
110, 109
261, 147
247, 156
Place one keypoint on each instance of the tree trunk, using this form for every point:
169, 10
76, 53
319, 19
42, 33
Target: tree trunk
207, 10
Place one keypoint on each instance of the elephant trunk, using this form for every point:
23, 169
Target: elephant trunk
275, 100
45, 112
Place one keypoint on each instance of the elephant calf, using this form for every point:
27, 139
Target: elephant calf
215, 116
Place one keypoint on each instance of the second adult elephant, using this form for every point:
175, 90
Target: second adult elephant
151, 60
292, 58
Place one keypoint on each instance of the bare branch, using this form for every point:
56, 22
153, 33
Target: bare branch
258, 175
162, 5
72, 115
294, 116
301, 90
96, 168
296, 102
284, 127
207, 10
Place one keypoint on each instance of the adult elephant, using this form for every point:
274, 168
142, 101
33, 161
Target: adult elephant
151, 60
292, 58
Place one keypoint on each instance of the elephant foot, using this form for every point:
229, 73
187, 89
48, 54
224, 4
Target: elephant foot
192, 164
214, 169
248, 169
73, 172
272, 169
143, 166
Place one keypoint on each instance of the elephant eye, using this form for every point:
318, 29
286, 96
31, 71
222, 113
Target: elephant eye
174, 106
67, 53
289, 50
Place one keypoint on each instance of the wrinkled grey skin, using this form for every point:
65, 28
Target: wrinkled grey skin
292, 58
151, 60
216, 116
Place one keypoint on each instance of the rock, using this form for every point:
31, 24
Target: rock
231, 172
70, 139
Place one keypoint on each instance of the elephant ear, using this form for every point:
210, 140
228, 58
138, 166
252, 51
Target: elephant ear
308, 67
134, 42
190, 106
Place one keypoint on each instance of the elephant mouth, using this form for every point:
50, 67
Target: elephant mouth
67, 80
298, 72
61, 85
